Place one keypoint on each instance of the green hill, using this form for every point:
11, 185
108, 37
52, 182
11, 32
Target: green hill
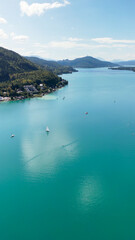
21, 77
11, 62
86, 62
53, 66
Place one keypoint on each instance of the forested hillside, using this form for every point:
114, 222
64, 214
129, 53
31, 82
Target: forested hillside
21, 78
86, 62
51, 65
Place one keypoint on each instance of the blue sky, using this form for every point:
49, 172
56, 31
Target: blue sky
60, 29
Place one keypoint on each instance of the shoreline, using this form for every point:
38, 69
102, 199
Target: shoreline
124, 68
32, 94
8, 99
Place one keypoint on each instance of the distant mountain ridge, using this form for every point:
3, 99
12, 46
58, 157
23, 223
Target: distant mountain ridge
127, 63
50, 65
65, 66
86, 62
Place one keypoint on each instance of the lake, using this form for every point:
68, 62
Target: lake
78, 181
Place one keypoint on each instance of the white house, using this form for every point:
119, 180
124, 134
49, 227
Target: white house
1, 98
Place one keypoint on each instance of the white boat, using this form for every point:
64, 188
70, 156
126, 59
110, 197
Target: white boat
47, 130
12, 135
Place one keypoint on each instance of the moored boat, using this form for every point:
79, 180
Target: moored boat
12, 135
47, 130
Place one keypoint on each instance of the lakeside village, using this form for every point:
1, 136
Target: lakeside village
30, 91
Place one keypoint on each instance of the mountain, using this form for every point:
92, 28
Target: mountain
86, 62
53, 66
67, 66
20, 77
127, 63
11, 62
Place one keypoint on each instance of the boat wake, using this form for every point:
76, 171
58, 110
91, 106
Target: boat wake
70, 144
44, 152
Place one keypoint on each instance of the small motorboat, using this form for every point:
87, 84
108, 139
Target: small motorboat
47, 130
12, 136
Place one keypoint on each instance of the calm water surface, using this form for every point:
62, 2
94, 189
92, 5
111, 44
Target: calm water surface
77, 182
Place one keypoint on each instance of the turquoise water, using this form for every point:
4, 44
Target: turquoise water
77, 182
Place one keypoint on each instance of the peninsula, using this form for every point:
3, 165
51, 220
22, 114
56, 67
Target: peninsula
123, 68
20, 78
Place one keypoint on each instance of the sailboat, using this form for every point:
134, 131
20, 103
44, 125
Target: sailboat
12, 135
47, 130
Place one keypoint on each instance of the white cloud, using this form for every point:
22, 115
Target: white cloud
40, 8
79, 43
3, 35
111, 41
75, 39
19, 38
68, 44
3, 20
64, 44
75, 47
